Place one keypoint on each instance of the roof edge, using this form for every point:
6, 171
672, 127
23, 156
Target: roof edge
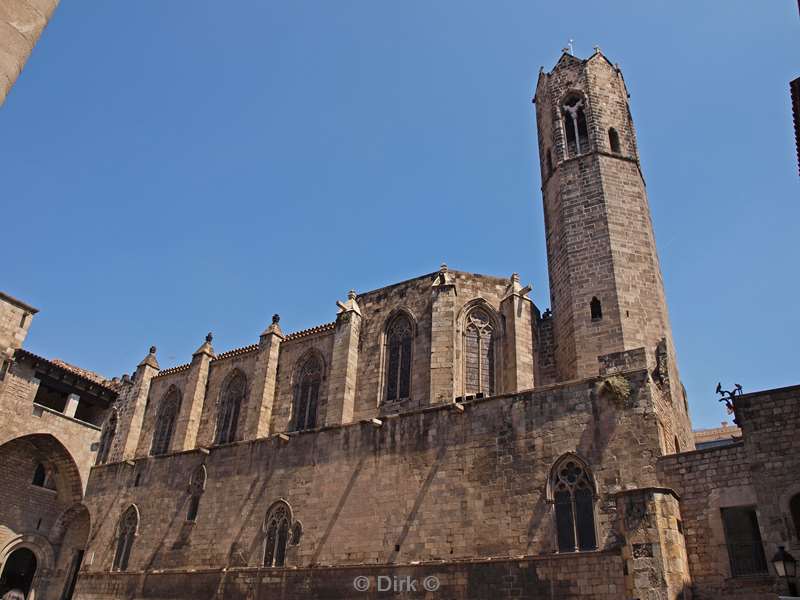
18, 303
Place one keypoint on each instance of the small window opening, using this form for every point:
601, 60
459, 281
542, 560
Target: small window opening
3, 369
549, 163
39, 475
596, 309
613, 140
23, 320
677, 445
137, 480
194, 506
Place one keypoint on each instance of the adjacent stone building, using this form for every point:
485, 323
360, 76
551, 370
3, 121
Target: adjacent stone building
21, 24
442, 436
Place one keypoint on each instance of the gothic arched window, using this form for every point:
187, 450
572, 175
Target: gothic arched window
106, 438
165, 423
306, 394
277, 525
230, 405
479, 353
613, 140
128, 526
197, 486
575, 125
399, 339
573, 494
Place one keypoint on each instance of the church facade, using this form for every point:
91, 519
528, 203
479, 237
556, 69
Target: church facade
442, 437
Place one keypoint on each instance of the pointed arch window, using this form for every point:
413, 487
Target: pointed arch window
479, 354
128, 527
399, 339
197, 486
109, 430
573, 496
165, 423
276, 525
229, 407
575, 125
306, 394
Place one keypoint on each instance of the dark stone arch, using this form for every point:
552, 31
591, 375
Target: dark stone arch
46, 449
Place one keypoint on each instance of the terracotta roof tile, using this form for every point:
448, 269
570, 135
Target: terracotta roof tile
311, 331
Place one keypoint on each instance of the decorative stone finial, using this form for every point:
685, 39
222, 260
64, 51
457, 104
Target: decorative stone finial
205, 347
443, 268
273, 328
597, 49
515, 288
350, 306
150, 359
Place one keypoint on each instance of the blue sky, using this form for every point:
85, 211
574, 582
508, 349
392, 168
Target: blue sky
171, 168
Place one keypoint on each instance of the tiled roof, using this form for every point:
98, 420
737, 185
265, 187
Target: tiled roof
88, 377
311, 331
237, 352
85, 373
172, 370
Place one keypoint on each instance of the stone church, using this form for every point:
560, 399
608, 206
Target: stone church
443, 437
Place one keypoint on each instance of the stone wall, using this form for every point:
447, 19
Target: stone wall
20, 416
759, 471
595, 576
21, 24
15, 320
432, 485
437, 363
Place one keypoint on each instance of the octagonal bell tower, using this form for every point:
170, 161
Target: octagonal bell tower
606, 286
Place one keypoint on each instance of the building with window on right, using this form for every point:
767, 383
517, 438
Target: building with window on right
741, 501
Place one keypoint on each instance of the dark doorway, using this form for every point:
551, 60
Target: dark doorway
18, 572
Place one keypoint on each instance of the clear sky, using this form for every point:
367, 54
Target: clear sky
170, 168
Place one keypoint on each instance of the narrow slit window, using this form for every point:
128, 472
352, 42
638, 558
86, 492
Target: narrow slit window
613, 140
596, 309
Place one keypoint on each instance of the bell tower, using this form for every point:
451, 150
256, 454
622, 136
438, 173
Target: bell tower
606, 286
